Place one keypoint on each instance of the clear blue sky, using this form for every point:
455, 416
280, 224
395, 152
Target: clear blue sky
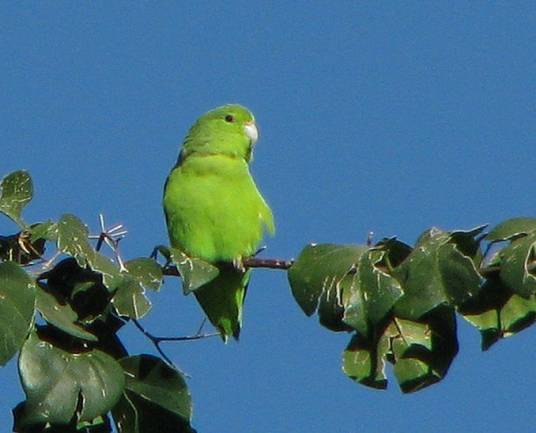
388, 117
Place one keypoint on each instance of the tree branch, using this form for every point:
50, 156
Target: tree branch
250, 262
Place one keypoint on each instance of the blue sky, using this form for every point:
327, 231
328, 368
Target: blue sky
389, 117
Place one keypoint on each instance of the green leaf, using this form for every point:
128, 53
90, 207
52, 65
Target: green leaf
56, 311
194, 272
47, 230
156, 398
129, 299
511, 229
16, 191
438, 272
374, 295
82, 288
60, 384
364, 361
318, 277
147, 271
17, 302
514, 263
73, 240
498, 312
423, 351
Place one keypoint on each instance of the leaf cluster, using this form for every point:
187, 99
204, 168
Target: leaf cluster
400, 302
62, 316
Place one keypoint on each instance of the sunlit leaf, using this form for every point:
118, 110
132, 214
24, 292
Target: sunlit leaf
16, 191
512, 229
129, 299
514, 263
147, 271
17, 302
194, 272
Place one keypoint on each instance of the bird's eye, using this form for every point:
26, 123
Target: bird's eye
229, 118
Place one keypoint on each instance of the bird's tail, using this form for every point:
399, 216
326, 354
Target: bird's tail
223, 298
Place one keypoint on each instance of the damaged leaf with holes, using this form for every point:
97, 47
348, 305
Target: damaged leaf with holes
318, 279
63, 382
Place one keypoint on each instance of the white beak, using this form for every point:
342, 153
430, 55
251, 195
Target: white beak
252, 132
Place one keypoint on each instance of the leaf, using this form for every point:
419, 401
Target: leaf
59, 313
155, 399
47, 231
438, 272
17, 302
73, 240
60, 385
194, 272
423, 351
374, 295
147, 271
16, 191
317, 279
129, 299
82, 288
498, 312
511, 229
364, 362
514, 263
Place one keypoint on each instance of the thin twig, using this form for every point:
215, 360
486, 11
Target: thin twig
157, 340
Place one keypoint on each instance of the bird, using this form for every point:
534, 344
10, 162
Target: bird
214, 210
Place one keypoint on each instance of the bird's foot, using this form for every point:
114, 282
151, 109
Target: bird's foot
238, 264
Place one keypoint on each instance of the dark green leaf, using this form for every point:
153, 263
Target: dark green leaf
364, 361
17, 302
47, 231
73, 240
60, 385
317, 279
374, 295
156, 398
437, 272
59, 313
146, 271
515, 259
511, 229
16, 191
129, 299
499, 313
194, 272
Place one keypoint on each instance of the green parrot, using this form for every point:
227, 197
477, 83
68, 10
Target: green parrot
214, 210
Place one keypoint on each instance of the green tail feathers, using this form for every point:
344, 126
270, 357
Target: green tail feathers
223, 298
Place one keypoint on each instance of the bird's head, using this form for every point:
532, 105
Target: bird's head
226, 130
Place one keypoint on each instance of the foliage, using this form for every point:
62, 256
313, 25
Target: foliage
61, 312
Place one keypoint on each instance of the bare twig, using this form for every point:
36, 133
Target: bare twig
157, 340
